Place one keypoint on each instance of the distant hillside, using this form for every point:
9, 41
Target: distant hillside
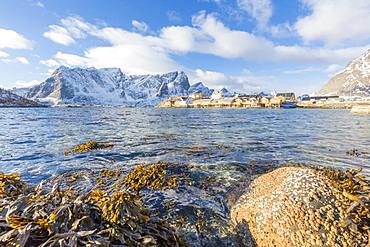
8, 98
354, 80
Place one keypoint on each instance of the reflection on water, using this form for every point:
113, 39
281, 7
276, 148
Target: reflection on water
33, 141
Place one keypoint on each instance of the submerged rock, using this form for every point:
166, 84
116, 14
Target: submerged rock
88, 146
298, 206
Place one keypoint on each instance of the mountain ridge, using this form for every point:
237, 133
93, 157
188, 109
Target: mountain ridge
108, 86
353, 80
9, 99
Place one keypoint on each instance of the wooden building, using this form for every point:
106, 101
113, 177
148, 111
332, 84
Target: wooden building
287, 96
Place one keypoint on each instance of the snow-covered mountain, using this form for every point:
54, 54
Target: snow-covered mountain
200, 88
8, 98
108, 86
218, 94
354, 80
22, 91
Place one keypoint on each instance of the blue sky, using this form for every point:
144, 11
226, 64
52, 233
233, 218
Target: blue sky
245, 45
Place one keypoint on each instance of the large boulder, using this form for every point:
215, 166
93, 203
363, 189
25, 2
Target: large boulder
298, 206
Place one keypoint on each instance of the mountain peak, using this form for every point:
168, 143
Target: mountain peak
199, 87
353, 80
198, 84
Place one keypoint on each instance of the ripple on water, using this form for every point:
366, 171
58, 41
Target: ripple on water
33, 141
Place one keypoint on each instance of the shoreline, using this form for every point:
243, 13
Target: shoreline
345, 106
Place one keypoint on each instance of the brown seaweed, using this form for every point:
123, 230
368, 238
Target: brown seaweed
88, 146
64, 217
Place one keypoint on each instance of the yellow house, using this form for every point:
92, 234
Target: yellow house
238, 102
287, 96
264, 102
178, 101
250, 102
202, 103
224, 102
277, 101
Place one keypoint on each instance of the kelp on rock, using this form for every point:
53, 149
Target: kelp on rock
54, 216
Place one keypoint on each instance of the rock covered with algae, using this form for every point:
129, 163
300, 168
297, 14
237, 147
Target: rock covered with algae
143, 205
61, 215
90, 145
300, 206
191, 201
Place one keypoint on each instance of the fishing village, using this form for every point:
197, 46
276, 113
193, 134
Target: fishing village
223, 99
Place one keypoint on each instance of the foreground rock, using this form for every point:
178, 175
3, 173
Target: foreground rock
296, 206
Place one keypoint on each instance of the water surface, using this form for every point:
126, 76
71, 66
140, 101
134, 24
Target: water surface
33, 140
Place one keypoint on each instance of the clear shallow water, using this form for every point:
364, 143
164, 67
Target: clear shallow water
33, 140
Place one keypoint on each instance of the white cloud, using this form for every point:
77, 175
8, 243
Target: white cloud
6, 60
210, 36
261, 10
12, 39
173, 16
50, 63
207, 35
140, 26
282, 30
317, 55
48, 73
70, 59
132, 59
334, 68
59, 35
212, 79
3, 54
76, 27
39, 4
130, 51
335, 22
22, 60
27, 83
71, 28
301, 71
245, 82
4, 57
135, 59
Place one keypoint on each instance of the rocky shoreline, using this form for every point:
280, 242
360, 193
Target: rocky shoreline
190, 205
187, 205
